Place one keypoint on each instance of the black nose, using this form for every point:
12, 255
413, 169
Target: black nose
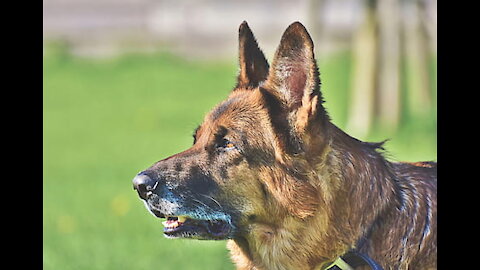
144, 185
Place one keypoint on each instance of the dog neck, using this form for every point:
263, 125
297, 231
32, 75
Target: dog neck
349, 170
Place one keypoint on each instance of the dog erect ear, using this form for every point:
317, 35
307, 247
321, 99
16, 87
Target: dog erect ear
294, 74
253, 65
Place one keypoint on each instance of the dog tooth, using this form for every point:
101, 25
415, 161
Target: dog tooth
169, 223
182, 219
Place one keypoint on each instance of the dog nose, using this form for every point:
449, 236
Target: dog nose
144, 185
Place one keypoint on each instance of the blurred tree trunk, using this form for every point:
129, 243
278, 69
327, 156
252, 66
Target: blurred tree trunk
395, 37
428, 22
417, 59
363, 70
429, 32
388, 71
314, 17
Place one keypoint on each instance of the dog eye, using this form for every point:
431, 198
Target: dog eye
226, 144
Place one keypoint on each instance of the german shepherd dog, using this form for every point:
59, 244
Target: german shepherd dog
288, 189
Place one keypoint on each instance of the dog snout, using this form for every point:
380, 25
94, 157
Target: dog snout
144, 185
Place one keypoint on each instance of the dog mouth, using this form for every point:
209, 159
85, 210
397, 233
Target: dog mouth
187, 227
179, 222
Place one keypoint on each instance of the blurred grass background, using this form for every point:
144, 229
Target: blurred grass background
107, 118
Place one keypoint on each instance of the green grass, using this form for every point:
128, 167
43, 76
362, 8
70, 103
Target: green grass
105, 120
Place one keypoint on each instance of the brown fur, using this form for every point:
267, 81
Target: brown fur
301, 191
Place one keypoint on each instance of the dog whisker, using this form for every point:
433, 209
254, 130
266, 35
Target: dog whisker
211, 198
198, 201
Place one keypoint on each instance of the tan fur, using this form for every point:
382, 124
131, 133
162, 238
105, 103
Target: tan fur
316, 225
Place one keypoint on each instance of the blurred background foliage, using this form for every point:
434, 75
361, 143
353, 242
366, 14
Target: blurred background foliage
127, 81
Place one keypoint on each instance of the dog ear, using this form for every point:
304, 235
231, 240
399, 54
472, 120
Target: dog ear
253, 65
294, 75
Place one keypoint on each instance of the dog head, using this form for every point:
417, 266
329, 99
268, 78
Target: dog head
252, 157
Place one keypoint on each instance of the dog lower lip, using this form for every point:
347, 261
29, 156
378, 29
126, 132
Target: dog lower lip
217, 227
202, 229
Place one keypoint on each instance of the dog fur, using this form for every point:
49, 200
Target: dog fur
293, 190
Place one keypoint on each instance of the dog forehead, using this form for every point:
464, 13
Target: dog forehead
240, 105
223, 108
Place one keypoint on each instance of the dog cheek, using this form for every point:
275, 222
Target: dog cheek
240, 190
298, 197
